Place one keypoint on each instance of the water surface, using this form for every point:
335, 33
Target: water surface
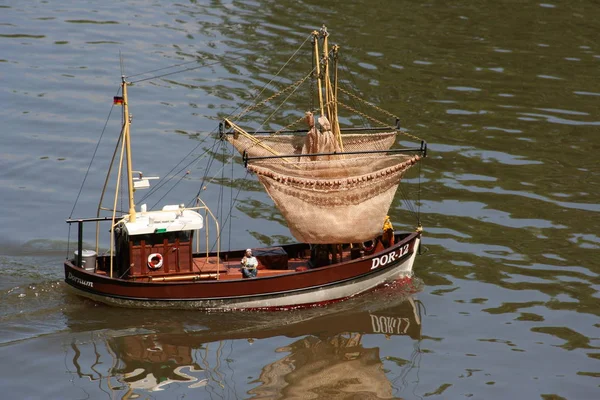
505, 93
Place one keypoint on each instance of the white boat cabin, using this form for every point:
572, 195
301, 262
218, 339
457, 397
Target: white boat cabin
157, 243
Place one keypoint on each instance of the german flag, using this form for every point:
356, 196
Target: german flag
118, 100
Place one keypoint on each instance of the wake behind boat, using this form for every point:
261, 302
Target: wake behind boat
334, 186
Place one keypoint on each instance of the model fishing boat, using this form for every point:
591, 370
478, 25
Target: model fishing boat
334, 186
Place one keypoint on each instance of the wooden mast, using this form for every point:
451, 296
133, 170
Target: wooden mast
125, 148
127, 139
335, 122
325, 35
331, 90
318, 68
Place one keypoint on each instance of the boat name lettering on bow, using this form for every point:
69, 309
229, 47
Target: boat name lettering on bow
80, 281
388, 258
389, 325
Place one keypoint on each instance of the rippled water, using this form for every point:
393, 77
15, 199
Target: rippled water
507, 96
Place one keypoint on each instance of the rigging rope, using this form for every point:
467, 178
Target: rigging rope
271, 81
231, 202
282, 103
92, 160
419, 199
228, 217
162, 69
206, 181
379, 109
184, 70
353, 83
383, 124
164, 180
87, 172
221, 188
294, 86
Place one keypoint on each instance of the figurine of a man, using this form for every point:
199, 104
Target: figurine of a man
311, 142
387, 238
249, 265
327, 140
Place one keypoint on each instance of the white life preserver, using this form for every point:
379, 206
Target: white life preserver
155, 261
371, 247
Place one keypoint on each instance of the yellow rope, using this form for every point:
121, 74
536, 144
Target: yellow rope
383, 124
277, 74
295, 122
366, 102
252, 138
288, 126
377, 108
255, 106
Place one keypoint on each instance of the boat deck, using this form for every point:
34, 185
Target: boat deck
231, 269
272, 261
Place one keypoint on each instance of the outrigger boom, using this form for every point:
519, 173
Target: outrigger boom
422, 150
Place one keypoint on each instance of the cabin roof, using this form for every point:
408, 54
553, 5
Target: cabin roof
169, 219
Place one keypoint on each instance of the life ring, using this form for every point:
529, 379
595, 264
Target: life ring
155, 261
370, 248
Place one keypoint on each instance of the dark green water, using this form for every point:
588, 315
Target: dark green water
507, 95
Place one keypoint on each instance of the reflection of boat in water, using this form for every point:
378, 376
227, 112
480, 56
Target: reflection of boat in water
216, 352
